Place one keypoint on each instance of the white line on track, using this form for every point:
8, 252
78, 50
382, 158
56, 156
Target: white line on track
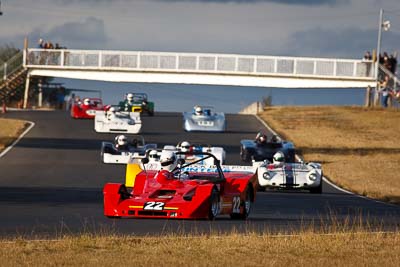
325, 179
31, 124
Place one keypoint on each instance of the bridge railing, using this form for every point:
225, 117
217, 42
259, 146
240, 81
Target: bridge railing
12, 65
199, 63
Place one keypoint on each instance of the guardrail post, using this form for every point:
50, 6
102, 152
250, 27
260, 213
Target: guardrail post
295, 66
368, 97
62, 58
5, 71
40, 94
28, 77
335, 68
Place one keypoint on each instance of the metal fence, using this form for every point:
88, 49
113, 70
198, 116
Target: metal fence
12, 65
199, 63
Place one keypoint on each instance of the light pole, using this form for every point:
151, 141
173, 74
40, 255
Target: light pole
385, 25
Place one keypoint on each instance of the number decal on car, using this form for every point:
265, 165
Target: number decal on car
152, 205
236, 205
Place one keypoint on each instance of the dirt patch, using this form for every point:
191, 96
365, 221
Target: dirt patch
10, 130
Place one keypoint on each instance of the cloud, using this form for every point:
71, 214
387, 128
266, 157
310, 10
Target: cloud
347, 43
79, 33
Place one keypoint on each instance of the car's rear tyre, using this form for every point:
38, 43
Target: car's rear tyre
317, 190
151, 112
246, 205
214, 204
244, 154
114, 217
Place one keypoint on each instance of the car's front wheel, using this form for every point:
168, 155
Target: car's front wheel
318, 189
214, 204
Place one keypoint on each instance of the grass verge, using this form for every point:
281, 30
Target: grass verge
304, 249
358, 147
9, 131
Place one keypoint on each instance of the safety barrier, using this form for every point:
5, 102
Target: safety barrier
199, 63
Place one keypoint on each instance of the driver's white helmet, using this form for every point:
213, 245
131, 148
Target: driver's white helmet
153, 155
185, 146
168, 160
86, 101
278, 158
198, 110
122, 140
129, 97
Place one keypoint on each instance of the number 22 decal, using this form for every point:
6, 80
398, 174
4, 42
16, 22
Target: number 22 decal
236, 205
152, 205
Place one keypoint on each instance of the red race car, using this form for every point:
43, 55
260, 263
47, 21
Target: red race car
183, 191
86, 109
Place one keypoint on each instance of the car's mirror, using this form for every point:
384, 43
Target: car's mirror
144, 160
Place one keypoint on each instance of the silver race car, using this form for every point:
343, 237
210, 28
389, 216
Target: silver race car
307, 176
114, 121
122, 149
203, 118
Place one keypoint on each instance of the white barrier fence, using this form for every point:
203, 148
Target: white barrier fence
199, 63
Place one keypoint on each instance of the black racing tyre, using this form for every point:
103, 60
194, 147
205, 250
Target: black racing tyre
317, 190
151, 112
114, 217
214, 204
246, 205
244, 154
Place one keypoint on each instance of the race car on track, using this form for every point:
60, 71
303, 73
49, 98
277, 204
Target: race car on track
87, 108
203, 118
281, 175
114, 121
176, 191
137, 102
122, 149
191, 149
261, 149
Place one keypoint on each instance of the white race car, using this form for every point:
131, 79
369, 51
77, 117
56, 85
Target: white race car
203, 118
136, 146
306, 176
113, 121
184, 146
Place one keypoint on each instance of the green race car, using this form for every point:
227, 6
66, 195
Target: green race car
137, 102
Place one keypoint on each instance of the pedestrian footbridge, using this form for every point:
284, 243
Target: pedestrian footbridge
199, 68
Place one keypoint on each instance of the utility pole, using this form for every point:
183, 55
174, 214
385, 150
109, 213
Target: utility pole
378, 46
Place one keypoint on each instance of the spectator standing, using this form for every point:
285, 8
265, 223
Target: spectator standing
385, 91
40, 43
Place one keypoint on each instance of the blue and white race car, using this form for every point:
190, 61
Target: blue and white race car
203, 118
306, 176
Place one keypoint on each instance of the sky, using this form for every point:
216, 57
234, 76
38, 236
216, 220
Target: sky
304, 28
316, 28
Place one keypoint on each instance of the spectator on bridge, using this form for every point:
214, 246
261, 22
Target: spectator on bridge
367, 56
393, 63
368, 65
40, 43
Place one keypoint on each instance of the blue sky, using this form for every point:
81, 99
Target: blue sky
329, 28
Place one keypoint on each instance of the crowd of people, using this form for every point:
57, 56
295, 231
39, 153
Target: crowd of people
49, 45
388, 88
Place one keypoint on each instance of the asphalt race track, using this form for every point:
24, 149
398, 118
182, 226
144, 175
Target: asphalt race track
51, 184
